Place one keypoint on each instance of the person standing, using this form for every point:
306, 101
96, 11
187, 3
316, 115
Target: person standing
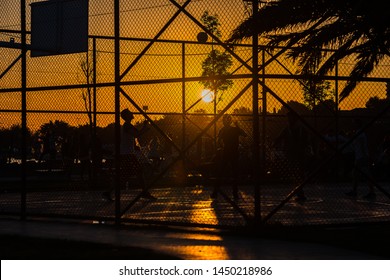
298, 150
228, 161
132, 161
361, 162
154, 153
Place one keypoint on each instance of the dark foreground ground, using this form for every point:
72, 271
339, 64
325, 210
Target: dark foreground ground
35, 248
371, 241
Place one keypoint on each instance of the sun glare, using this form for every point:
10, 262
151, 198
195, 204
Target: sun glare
207, 95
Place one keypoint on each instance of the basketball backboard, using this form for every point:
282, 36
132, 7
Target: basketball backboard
59, 27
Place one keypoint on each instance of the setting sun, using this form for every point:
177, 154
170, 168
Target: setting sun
207, 95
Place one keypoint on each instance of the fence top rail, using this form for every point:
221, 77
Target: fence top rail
106, 37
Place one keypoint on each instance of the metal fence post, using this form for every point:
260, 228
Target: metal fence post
183, 87
94, 135
24, 109
117, 111
256, 127
264, 119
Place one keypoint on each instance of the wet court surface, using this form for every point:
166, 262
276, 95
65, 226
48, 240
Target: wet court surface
152, 243
326, 204
193, 209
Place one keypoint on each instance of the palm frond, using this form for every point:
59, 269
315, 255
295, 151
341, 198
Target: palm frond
367, 59
348, 27
284, 14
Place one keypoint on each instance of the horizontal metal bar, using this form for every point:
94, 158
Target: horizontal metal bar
191, 79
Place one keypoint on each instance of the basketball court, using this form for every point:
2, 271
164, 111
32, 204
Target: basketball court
192, 206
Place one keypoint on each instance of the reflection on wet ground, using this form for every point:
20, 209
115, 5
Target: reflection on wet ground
183, 244
192, 206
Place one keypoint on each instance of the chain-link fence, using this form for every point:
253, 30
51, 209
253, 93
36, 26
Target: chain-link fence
61, 129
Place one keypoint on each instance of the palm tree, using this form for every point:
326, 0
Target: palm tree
349, 27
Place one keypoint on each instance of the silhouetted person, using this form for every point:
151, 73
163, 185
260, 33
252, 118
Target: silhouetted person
83, 157
48, 151
68, 152
154, 153
361, 162
132, 161
344, 160
167, 152
382, 163
97, 155
228, 156
296, 145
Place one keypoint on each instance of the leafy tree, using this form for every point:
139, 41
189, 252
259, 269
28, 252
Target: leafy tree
357, 29
376, 103
11, 140
315, 92
211, 22
298, 107
58, 128
217, 63
242, 111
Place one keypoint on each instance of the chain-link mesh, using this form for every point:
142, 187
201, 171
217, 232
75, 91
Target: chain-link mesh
70, 167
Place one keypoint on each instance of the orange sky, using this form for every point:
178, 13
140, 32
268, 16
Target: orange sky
163, 61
